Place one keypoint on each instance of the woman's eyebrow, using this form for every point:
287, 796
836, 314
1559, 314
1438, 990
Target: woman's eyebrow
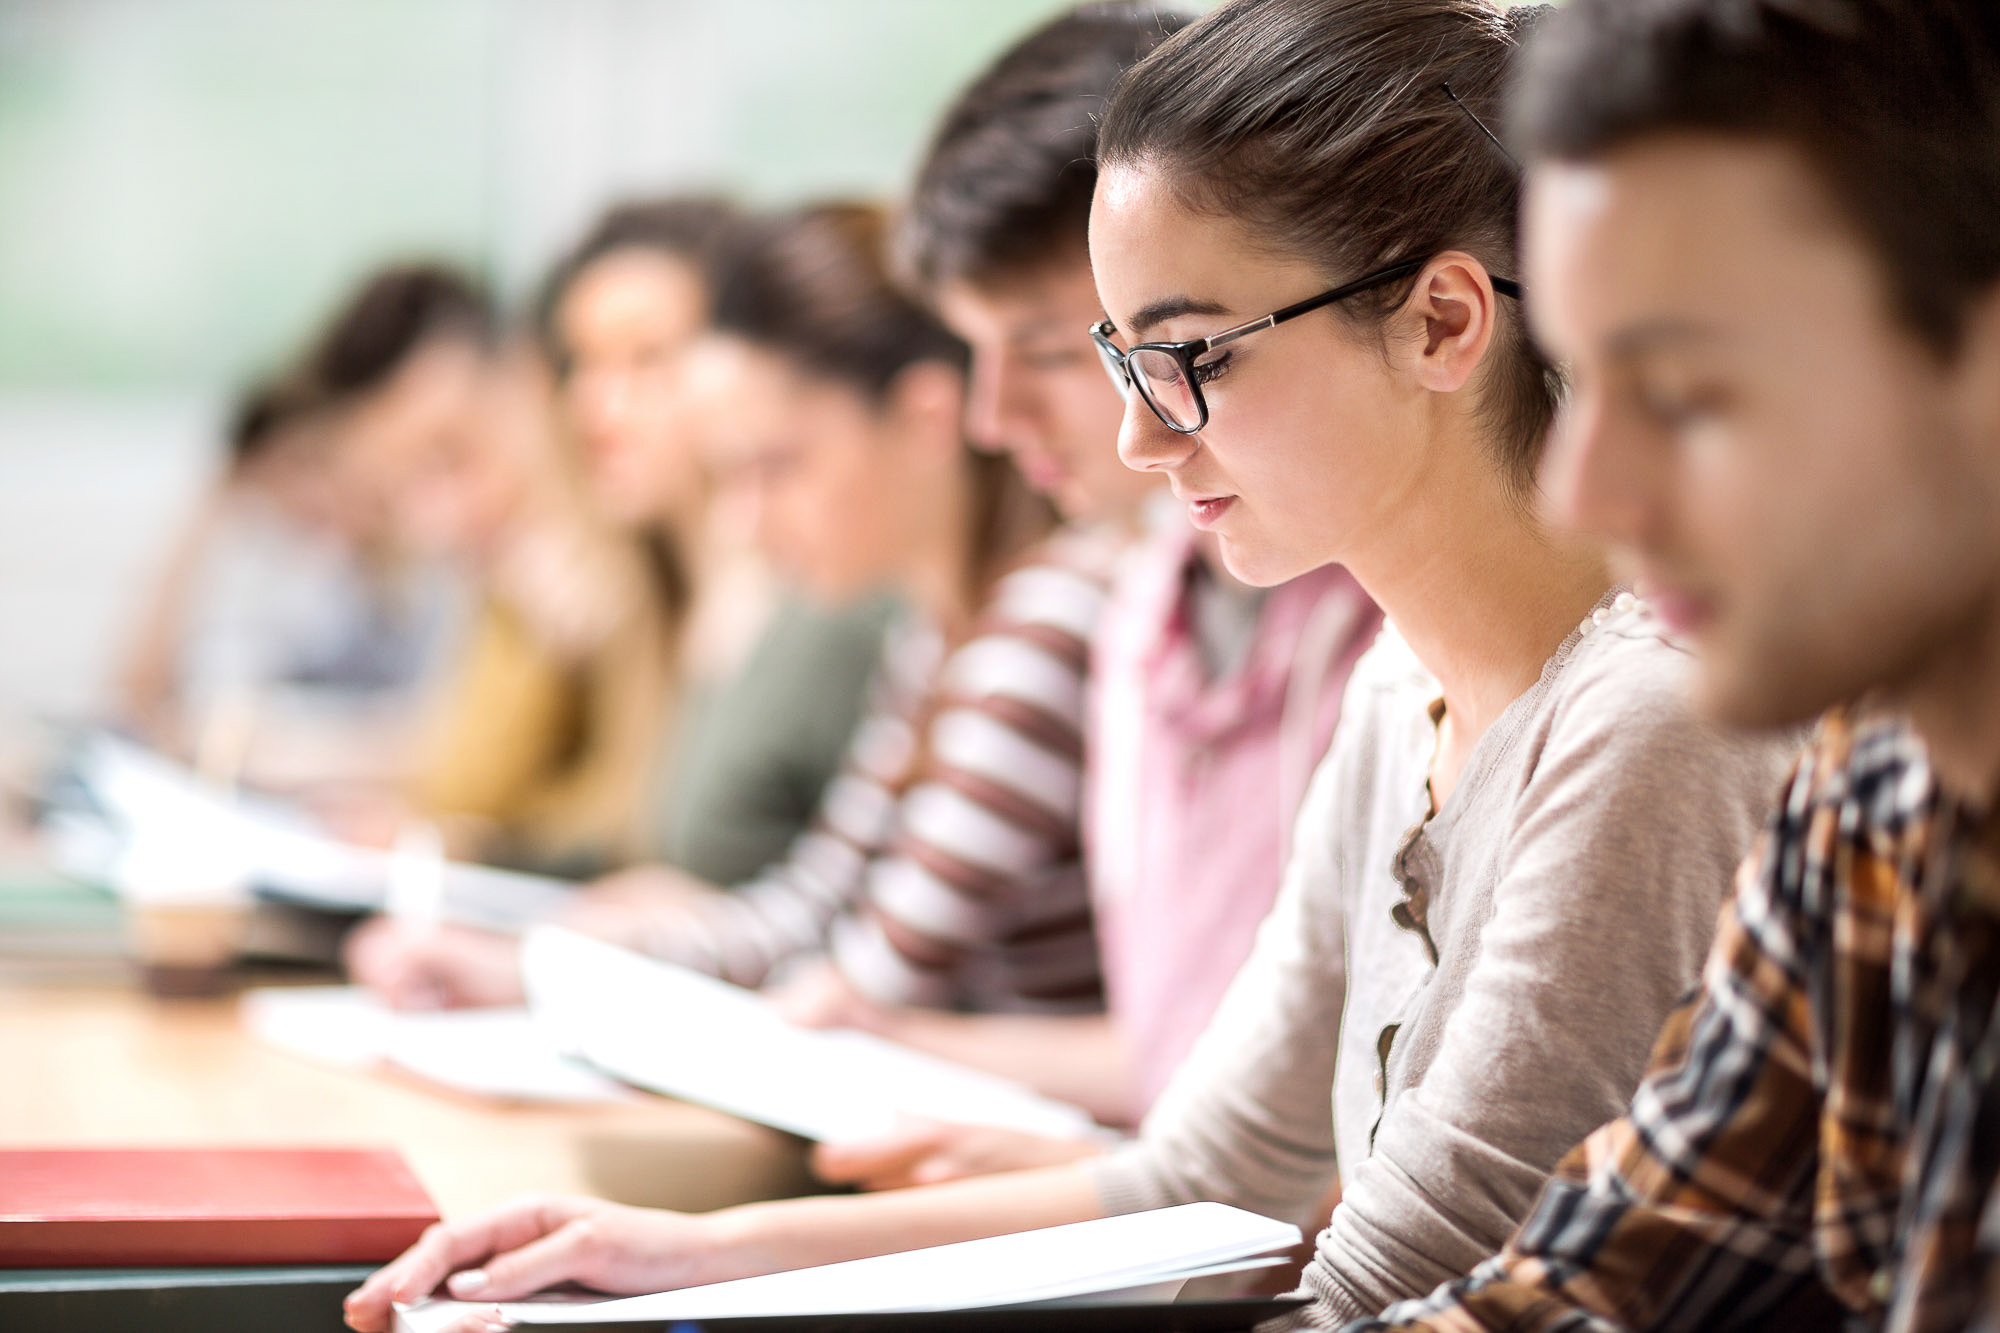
1172, 307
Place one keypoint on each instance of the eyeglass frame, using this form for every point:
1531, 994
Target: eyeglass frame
1116, 361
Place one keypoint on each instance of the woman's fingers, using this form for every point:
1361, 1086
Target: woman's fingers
572, 1251
447, 1248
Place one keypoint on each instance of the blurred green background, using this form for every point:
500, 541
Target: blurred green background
185, 184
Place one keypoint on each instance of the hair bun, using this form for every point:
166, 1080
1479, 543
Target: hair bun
1523, 19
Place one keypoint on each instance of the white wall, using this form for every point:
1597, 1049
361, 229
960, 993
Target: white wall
89, 490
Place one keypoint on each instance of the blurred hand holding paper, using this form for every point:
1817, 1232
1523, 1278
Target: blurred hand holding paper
690, 1036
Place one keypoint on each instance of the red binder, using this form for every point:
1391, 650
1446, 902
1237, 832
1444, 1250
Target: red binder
135, 1207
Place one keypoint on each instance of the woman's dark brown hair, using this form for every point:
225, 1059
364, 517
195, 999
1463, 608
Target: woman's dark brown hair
264, 412
394, 312
1005, 185
1324, 126
690, 228
813, 285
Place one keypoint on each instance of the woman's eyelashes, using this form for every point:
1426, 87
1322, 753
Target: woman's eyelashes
1208, 371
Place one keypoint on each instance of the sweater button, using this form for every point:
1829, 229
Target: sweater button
1882, 1285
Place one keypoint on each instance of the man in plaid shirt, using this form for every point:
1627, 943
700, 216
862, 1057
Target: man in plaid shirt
1765, 234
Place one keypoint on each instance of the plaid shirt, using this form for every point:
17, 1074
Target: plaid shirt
1820, 1132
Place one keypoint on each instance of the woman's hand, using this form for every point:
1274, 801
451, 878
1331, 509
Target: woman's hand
434, 966
927, 1153
535, 1243
818, 996
636, 904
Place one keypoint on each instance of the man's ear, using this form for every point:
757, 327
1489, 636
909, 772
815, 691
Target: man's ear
927, 401
1453, 315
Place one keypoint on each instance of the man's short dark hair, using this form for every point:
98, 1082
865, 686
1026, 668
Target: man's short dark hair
1006, 182
1894, 104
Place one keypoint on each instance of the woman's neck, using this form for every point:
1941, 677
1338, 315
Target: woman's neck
1482, 594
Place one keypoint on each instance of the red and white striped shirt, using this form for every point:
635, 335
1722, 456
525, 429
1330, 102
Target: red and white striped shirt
943, 868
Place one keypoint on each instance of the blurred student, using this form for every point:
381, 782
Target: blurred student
769, 687
1211, 700
1507, 869
1771, 250
538, 749
286, 637
944, 868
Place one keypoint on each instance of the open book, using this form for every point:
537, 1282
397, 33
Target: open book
1136, 1256
690, 1036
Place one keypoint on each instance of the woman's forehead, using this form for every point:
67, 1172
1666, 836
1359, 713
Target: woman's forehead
1151, 251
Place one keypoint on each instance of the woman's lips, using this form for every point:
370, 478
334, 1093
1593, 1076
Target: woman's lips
1205, 514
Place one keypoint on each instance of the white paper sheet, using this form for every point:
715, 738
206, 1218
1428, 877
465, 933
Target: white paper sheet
693, 1037
1113, 1254
496, 1053
158, 804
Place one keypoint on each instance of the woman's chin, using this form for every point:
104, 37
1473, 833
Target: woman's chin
1257, 564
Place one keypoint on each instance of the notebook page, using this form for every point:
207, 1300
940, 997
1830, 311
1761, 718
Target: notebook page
1113, 1254
687, 1035
278, 848
496, 1053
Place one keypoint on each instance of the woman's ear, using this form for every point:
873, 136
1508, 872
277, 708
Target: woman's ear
1454, 313
927, 402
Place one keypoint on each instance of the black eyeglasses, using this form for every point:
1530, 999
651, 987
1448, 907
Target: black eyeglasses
1169, 376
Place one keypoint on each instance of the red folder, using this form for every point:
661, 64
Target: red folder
134, 1207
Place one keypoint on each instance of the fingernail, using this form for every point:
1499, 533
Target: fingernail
469, 1283
495, 1321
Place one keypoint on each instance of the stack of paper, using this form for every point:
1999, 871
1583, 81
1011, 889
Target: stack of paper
702, 1040
1152, 1252
495, 1053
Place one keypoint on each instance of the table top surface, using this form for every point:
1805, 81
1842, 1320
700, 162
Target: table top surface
99, 1063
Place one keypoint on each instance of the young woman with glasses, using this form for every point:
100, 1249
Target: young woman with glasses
1509, 866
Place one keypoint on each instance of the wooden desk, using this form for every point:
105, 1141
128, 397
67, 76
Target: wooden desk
102, 1064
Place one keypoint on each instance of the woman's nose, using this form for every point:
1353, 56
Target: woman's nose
1145, 444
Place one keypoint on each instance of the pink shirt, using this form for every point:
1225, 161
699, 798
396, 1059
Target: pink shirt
1192, 784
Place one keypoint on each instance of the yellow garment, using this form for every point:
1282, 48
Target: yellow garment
551, 755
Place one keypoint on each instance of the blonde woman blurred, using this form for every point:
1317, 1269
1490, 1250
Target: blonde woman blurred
769, 686
539, 743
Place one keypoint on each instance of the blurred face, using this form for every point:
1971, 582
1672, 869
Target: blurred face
1312, 447
830, 486
1038, 392
625, 323
448, 440
1806, 492
303, 472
